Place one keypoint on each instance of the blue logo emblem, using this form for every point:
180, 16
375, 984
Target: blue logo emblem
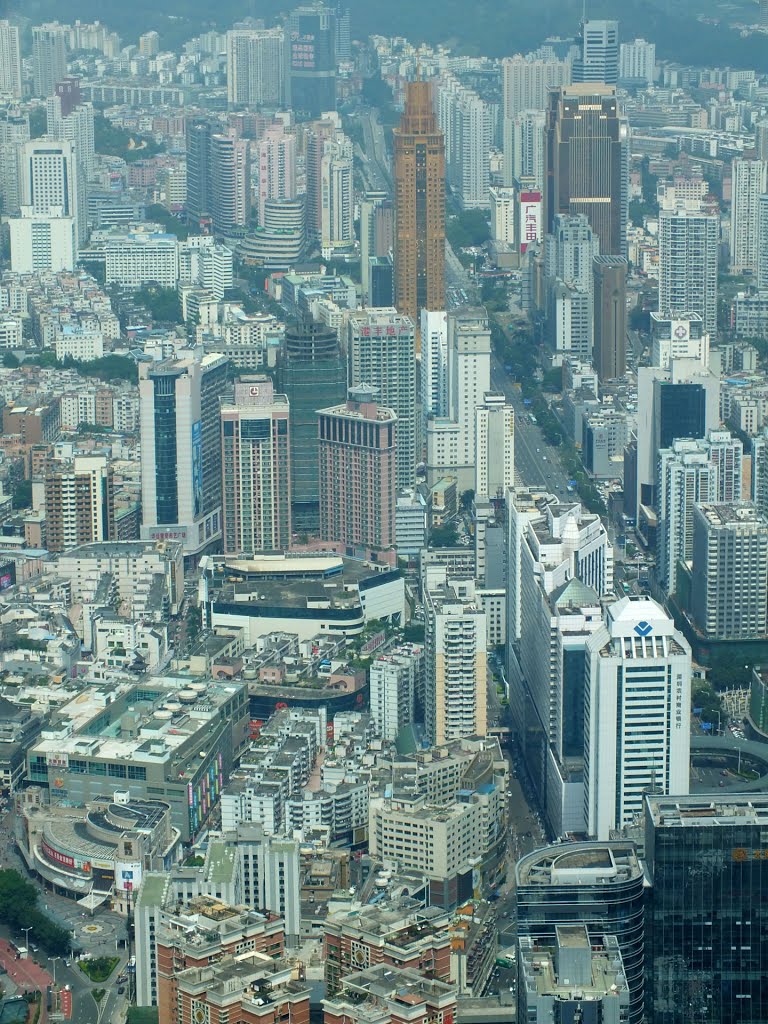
643, 628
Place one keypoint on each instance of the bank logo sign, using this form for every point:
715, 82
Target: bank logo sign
643, 629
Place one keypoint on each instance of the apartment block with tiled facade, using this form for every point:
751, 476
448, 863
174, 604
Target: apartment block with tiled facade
387, 995
232, 991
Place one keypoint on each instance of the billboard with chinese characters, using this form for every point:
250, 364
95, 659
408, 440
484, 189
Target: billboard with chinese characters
530, 219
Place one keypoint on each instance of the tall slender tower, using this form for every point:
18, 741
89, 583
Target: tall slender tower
419, 205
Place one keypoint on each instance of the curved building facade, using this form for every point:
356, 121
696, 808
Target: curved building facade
280, 241
598, 885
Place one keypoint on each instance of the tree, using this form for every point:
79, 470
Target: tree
162, 303
173, 225
18, 909
467, 497
10, 362
444, 536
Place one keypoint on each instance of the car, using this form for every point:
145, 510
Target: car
120, 990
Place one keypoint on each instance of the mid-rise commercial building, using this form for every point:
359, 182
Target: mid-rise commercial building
706, 947
688, 254
636, 713
729, 587
181, 449
136, 257
255, 468
255, 67
357, 454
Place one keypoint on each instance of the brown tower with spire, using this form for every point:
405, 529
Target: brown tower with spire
419, 205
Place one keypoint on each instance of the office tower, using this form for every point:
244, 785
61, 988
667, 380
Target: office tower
762, 241
255, 63
636, 714
73, 121
311, 368
14, 130
637, 61
181, 449
455, 680
10, 60
597, 885
503, 215
707, 915
599, 57
356, 452
79, 502
276, 152
467, 125
49, 181
310, 42
230, 184
523, 148
579, 966
729, 586
42, 242
419, 149
381, 353
337, 230
370, 244
255, 469
198, 147
494, 447
688, 251
681, 401
381, 274
49, 57
750, 181
434, 363
585, 162
609, 346
526, 82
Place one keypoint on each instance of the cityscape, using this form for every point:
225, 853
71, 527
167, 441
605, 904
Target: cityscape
384, 513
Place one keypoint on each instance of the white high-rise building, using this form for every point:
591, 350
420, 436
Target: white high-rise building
137, 257
255, 67
42, 242
395, 678
688, 252
277, 167
637, 61
494, 447
434, 363
526, 81
469, 372
503, 215
49, 180
636, 714
570, 250
466, 122
599, 60
523, 143
10, 60
76, 127
750, 181
49, 56
337, 230
762, 243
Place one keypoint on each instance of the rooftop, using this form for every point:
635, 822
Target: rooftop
703, 811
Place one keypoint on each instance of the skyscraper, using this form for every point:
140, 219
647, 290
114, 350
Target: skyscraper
434, 363
67, 117
277, 166
14, 130
585, 162
467, 125
357, 473
688, 251
255, 67
599, 57
255, 468
381, 352
49, 180
750, 182
337, 229
230, 185
609, 345
311, 59
181, 449
199, 132
707, 917
636, 714
49, 57
419, 148
10, 60
311, 368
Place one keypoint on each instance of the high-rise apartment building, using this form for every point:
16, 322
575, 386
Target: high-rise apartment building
570, 250
181, 449
494, 447
750, 182
434, 363
636, 714
311, 368
761, 138
310, 41
706, 921
49, 180
381, 353
527, 80
523, 148
73, 121
49, 57
599, 57
466, 122
762, 240
255, 469
79, 502
198, 149
585, 161
729, 586
504, 207
396, 679
337, 230
419, 148
688, 254
316, 136
455, 683
230, 184
356, 453
149, 44
10, 60
609, 343
255, 67
276, 151
14, 131
377, 237
637, 61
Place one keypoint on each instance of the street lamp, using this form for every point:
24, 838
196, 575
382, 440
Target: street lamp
26, 936
53, 960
